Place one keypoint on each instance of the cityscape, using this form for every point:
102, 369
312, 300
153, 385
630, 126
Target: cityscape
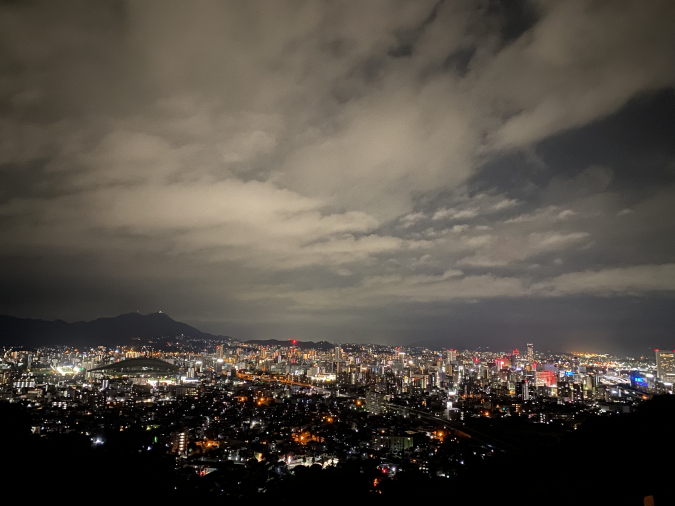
230, 419
413, 252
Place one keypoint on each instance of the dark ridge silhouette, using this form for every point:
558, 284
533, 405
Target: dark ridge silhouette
115, 330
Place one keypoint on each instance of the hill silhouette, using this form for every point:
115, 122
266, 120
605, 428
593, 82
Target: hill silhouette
115, 330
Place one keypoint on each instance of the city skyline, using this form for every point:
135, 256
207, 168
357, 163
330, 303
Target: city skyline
456, 174
219, 418
134, 329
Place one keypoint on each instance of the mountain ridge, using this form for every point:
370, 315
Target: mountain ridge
107, 330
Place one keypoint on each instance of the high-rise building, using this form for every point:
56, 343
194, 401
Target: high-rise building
526, 391
220, 351
530, 354
338, 353
452, 355
665, 365
514, 358
374, 401
179, 442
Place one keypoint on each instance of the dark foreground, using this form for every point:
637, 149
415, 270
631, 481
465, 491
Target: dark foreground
617, 460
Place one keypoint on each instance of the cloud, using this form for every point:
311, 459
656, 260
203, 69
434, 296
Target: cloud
410, 219
558, 78
455, 214
567, 213
378, 291
613, 281
258, 156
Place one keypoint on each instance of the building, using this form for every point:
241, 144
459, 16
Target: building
665, 366
393, 443
526, 391
530, 354
374, 401
186, 391
545, 379
523, 390
179, 442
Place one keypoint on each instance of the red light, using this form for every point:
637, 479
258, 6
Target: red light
294, 341
656, 349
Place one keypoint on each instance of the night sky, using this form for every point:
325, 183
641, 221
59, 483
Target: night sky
459, 173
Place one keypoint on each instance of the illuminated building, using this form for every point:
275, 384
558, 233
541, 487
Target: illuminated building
186, 390
522, 390
545, 379
530, 354
393, 443
374, 401
179, 442
665, 365
577, 392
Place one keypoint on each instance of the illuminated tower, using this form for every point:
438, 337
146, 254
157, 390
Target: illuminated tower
530, 354
665, 365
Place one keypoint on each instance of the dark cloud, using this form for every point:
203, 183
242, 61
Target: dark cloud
475, 171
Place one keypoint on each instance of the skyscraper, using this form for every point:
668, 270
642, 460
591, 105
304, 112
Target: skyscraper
530, 354
665, 365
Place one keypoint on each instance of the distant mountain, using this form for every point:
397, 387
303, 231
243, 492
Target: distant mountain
102, 331
302, 345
